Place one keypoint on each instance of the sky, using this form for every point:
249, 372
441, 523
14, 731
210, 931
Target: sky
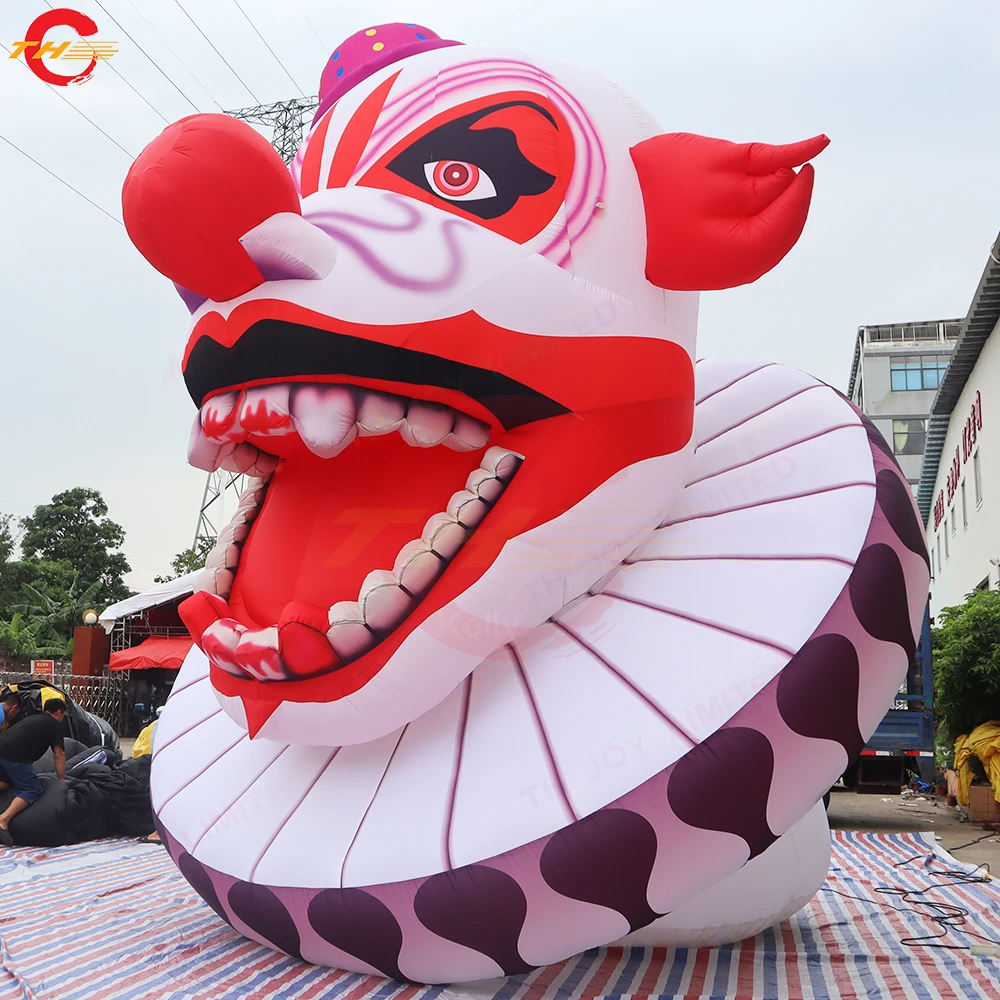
905, 209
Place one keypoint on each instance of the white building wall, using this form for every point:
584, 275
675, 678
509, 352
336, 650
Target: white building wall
970, 548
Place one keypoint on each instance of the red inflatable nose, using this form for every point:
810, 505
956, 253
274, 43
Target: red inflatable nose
204, 182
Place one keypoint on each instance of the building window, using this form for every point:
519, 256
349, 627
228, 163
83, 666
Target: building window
954, 521
939, 552
908, 374
965, 508
977, 475
947, 551
908, 436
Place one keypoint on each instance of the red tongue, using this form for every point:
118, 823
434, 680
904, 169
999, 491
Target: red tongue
327, 523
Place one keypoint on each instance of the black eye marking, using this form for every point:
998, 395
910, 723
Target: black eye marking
493, 150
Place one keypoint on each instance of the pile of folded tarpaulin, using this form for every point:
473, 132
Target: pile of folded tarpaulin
101, 796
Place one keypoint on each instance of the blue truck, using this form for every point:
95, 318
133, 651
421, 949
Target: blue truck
904, 740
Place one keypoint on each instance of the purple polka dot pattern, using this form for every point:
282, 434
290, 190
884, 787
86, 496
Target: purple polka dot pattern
605, 859
895, 501
261, 910
361, 925
742, 762
878, 594
823, 672
201, 882
478, 907
366, 52
632, 855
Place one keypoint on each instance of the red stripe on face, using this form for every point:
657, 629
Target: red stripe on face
357, 133
311, 162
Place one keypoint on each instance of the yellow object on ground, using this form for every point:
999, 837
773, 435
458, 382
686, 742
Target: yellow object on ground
983, 742
144, 741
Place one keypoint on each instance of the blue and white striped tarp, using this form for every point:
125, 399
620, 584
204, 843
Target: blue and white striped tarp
114, 920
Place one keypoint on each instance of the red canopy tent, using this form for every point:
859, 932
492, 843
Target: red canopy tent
156, 651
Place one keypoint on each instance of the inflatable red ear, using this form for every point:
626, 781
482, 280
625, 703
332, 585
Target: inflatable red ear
719, 214
194, 191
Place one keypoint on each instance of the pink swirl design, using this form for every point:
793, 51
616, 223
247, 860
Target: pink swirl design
332, 223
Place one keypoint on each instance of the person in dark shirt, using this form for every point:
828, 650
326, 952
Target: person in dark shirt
10, 707
20, 746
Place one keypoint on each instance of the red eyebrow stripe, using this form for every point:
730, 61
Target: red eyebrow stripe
312, 161
357, 133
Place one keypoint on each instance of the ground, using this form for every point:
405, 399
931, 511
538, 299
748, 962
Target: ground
892, 814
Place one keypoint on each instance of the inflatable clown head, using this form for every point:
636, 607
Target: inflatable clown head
517, 583
474, 249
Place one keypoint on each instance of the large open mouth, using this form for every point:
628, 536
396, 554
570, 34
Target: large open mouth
387, 458
319, 516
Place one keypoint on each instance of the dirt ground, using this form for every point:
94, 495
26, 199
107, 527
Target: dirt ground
892, 814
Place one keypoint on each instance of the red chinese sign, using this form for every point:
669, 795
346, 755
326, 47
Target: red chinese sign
970, 435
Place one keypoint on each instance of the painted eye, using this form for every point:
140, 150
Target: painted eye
458, 180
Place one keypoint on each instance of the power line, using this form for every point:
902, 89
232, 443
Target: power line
127, 84
170, 49
269, 49
166, 121
148, 56
79, 112
217, 52
61, 181
325, 47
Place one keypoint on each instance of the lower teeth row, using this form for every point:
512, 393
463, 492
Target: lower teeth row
386, 597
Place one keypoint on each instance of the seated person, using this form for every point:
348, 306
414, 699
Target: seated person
20, 747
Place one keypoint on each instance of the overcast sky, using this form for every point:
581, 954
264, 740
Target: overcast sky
905, 209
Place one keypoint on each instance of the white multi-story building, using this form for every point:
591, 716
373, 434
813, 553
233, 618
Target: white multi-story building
959, 490
895, 374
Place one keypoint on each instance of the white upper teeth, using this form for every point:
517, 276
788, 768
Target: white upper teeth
427, 425
266, 406
216, 415
380, 414
326, 417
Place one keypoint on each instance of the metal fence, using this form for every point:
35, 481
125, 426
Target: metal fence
104, 696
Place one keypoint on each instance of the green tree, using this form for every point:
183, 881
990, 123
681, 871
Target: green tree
189, 560
74, 528
18, 637
6, 538
966, 647
55, 612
